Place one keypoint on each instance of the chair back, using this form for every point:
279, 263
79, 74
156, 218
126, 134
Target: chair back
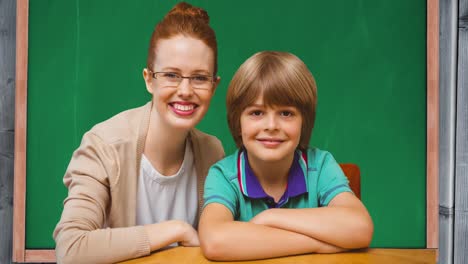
354, 176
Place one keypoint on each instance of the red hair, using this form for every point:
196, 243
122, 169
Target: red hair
184, 19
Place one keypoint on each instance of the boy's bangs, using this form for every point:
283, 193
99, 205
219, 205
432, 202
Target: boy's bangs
277, 91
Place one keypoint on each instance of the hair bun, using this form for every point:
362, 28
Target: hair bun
186, 9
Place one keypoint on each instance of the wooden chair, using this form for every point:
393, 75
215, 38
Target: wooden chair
354, 176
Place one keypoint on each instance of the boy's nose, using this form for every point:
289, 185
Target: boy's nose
271, 122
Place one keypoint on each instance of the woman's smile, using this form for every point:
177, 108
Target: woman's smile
183, 108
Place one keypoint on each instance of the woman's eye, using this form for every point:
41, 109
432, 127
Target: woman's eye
200, 78
171, 75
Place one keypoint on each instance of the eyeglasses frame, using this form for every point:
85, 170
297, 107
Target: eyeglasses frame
190, 78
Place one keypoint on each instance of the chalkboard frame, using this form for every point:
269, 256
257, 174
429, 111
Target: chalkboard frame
22, 254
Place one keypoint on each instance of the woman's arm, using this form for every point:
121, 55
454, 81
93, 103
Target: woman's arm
81, 236
345, 222
222, 238
168, 232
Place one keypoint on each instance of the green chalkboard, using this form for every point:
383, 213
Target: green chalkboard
369, 59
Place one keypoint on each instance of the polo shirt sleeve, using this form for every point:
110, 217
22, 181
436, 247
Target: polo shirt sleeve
332, 180
218, 189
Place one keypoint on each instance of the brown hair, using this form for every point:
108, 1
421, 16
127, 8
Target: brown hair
282, 79
184, 19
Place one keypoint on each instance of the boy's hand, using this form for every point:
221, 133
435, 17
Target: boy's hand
325, 248
263, 218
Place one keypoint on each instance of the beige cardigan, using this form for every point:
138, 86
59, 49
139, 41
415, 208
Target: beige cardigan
102, 189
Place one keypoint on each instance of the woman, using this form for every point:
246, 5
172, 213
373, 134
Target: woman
135, 183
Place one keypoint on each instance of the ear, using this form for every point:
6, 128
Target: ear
216, 82
148, 80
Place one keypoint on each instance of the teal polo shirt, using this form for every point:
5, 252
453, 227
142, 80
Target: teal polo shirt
314, 179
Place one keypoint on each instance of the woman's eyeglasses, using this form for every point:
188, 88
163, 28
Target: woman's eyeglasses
172, 79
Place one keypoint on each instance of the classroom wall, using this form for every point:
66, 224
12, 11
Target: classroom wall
461, 156
448, 89
7, 125
453, 136
368, 59
7, 32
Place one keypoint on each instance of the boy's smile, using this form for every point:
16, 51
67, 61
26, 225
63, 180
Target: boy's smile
270, 133
270, 142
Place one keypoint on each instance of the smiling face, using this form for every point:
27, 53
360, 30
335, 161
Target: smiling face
181, 107
270, 133
279, 79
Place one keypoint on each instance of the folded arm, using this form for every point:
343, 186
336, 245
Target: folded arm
345, 222
222, 238
82, 236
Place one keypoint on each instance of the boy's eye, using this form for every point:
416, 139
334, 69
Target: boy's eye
287, 113
256, 113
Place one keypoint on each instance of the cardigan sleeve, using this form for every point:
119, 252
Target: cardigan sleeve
81, 235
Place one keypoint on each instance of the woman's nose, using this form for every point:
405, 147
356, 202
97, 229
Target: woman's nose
185, 89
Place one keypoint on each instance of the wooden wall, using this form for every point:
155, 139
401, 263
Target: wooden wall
7, 97
461, 153
453, 138
7, 113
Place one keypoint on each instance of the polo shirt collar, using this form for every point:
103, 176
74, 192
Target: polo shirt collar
250, 186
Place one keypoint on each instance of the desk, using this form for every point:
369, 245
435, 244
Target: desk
184, 255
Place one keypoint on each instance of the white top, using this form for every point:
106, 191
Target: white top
161, 198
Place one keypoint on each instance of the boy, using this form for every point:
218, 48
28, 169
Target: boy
275, 196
